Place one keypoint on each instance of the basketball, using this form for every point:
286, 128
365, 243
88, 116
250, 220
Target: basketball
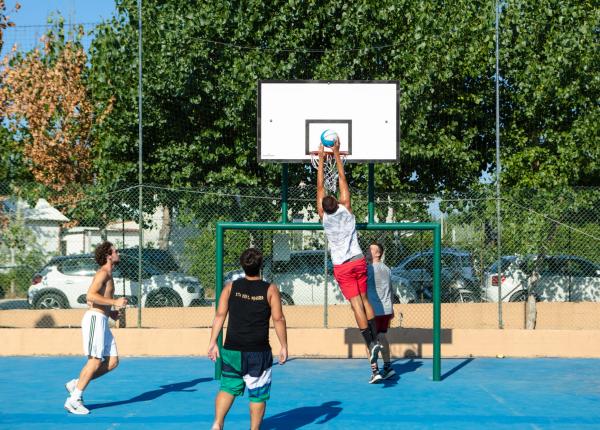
328, 138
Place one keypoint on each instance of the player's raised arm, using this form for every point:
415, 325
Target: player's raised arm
344, 198
320, 182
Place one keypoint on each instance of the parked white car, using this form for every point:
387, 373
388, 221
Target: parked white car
556, 278
64, 282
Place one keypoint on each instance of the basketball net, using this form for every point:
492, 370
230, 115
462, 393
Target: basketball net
330, 173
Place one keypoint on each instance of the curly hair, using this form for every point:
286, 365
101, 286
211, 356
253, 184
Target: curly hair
251, 261
102, 251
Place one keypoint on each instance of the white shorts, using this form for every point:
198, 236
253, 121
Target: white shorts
98, 340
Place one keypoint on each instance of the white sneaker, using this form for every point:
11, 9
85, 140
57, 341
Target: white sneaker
375, 378
75, 406
71, 385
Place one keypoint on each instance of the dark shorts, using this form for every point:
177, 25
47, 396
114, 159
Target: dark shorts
351, 277
247, 369
383, 322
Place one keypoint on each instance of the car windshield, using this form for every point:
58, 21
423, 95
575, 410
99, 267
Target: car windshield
493, 268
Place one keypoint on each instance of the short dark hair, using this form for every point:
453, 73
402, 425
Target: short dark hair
378, 245
251, 261
102, 251
330, 204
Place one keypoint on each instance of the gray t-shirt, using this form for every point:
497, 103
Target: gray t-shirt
379, 288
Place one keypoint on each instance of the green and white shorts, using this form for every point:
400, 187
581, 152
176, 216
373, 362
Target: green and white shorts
247, 369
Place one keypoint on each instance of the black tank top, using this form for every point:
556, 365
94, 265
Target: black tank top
249, 313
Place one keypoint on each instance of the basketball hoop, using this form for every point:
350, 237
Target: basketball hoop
330, 172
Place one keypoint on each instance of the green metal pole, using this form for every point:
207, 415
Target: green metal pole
140, 158
218, 288
437, 254
284, 193
371, 193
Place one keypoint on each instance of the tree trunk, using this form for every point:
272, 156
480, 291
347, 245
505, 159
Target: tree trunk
530, 312
165, 230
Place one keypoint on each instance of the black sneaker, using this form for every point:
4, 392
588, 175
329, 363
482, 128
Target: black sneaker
387, 372
375, 378
374, 349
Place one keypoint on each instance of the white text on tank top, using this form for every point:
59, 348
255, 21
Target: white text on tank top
340, 228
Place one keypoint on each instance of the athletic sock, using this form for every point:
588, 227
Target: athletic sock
373, 328
76, 394
368, 336
387, 365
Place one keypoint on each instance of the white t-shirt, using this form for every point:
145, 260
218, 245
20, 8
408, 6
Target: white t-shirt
340, 228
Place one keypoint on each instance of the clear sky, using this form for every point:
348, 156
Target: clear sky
31, 20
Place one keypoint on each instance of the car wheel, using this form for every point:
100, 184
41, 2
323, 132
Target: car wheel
286, 300
519, 296
51, 301
163, 299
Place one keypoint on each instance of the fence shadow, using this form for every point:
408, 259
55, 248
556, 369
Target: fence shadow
154, 394
300, 417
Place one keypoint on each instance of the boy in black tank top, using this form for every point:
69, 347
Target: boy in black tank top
246, 354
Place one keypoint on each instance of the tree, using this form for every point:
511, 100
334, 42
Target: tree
45, 100
5, 21
550, 93
202, 62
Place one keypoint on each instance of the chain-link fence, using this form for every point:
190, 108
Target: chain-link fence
548, 247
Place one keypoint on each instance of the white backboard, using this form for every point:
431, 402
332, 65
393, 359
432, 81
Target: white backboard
293, 114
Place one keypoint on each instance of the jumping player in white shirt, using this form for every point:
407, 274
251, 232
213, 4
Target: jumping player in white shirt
349, 264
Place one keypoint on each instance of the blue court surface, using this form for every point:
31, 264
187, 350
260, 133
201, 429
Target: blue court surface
178, 393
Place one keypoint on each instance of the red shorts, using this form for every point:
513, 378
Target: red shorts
383, 322
352, 277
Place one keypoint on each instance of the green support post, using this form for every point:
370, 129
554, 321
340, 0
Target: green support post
371, 192
219, 283
437, 256
284, 193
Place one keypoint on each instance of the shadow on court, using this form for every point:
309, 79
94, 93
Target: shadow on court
456, 368
154, 394
300, 417
401, 368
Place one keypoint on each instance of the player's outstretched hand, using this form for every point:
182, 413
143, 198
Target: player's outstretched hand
321, 151
283, 355
213, 351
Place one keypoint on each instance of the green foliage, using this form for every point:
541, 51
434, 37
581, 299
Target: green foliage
201, 68
550, 92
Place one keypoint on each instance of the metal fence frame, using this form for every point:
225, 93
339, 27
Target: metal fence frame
435, 228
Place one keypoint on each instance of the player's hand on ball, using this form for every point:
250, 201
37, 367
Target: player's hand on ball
213, 351
283, 355
336, 146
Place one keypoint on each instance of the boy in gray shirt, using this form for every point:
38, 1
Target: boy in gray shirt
379, 291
